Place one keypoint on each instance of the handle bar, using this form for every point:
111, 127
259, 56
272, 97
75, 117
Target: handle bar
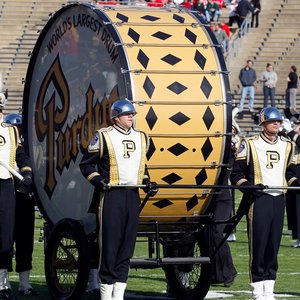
191, 186
11, 170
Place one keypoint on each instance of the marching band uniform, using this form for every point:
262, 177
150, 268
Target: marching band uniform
116, 156
262, 161
13, 154
293, 198
24, 225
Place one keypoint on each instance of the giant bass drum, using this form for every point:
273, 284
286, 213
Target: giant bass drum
168, 63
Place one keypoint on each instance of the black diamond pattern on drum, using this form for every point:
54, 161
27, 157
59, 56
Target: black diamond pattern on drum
208, 118
161, 35
200, 59
179, 118
178, 18
122, 17
206, 149
150, 18
171, 59
201, 177
143, 59
151, 118
191, 203
206, 87
163, 203
171, 178
151, 149
177, 149
134, 35
149, 87
190, 36
177, 87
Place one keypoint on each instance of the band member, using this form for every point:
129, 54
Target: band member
116, 156
293, 197
265, 159
223, 269
13, 155
24, 226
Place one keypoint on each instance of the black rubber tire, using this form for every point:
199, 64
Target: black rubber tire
66, 260
189, 282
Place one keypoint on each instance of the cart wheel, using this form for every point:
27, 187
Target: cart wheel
66, 260
189, 282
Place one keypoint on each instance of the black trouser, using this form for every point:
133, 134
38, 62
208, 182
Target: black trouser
265, 224
293, 213
118, 221
7, 218
233, 19
255, 15
24, 231
223, 270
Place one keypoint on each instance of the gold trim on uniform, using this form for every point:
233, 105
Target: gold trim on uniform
291, 181
295, 137
13, 134
241, 181
141, 171
257, 170
289, 149
250, 218
91, 176
26, 169
114, 173
100, 212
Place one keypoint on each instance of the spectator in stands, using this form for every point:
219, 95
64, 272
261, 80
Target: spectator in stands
220, 3
200, 6
247, 78
291, 91
233, 17
225, 27
140, 3
243, 8
212, 11
255, 14
269, 79
187, 4
221, 37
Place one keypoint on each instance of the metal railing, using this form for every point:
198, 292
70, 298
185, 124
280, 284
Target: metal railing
236, 40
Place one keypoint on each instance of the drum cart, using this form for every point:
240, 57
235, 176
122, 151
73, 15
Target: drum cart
168, 63
186, 256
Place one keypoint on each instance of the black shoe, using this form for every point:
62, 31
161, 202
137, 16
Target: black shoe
28, 292
228, 282
7, 295
94, 292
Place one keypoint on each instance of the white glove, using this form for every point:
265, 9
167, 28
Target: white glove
286, 125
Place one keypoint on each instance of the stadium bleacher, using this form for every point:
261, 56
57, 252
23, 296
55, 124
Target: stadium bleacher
276, 40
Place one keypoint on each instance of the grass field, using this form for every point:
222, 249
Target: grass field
152, 283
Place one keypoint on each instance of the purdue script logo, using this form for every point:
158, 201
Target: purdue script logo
51, 115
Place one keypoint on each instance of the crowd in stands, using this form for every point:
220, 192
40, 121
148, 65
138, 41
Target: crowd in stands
210, 12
